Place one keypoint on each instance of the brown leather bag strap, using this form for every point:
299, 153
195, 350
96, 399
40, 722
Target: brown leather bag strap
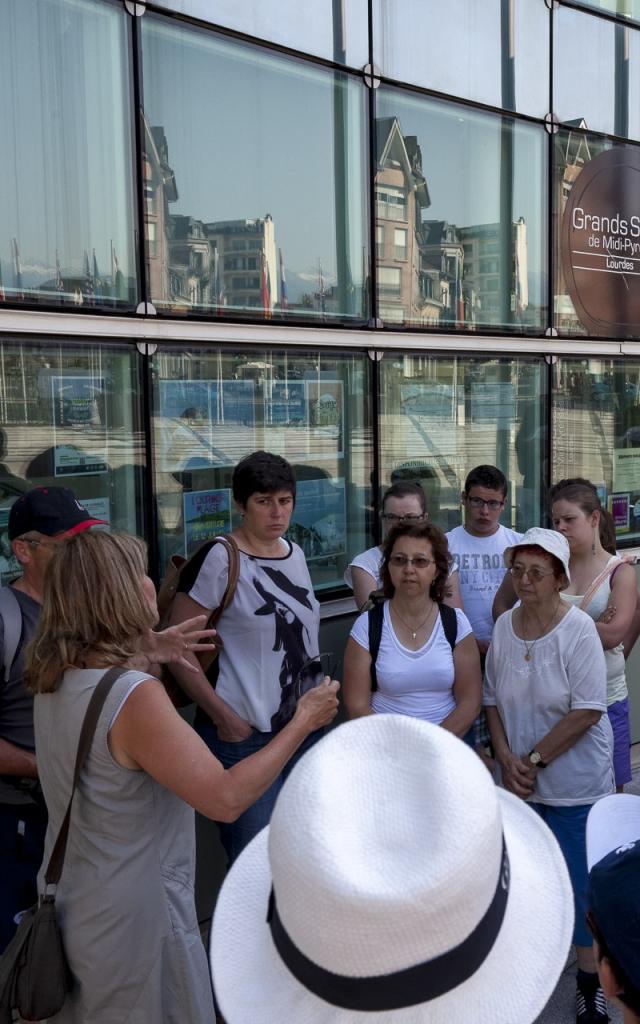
90, 721
233, 553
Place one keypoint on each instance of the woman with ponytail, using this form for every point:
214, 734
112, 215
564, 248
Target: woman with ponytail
603, 586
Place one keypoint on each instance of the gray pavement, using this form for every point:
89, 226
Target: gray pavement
561, 1007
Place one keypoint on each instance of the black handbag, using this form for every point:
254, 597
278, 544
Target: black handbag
34, 973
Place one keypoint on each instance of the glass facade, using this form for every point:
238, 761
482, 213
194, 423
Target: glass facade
469, 190
67, 230
254, 169
211, 408
596, 433
440, 417
71, 416
346, 229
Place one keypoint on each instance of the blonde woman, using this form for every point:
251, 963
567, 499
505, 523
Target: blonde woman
126, 893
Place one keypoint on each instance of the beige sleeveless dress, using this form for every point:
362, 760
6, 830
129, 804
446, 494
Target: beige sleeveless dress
125, 899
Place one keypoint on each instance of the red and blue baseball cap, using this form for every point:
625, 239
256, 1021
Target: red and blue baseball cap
613, 858
51, 511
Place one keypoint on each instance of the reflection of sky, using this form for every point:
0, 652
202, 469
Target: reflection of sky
461, 164
454, 47
251, 134
305, 25
64, 120
584, 79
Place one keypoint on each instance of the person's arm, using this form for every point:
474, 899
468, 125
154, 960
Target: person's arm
565, 734
633, 631
15, 761
452, 595
149, 734
505, 597
356, 684
623, 599
517, 778
467, 687
231, 727
363, 583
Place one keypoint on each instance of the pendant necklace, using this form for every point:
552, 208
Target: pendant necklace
529, 647
418, 628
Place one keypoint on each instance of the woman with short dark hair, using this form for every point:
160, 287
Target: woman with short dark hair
270, 631
419, 671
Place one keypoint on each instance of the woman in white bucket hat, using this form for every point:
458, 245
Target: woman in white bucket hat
395, 885
545, 698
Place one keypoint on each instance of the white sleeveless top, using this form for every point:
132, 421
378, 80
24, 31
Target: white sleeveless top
614, 658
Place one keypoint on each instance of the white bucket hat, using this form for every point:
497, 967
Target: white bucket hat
381, 892
549, 540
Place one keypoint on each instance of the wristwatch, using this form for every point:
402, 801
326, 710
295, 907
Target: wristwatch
535, 758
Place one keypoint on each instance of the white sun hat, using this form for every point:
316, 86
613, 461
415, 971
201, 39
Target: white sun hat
551, 541
395, 885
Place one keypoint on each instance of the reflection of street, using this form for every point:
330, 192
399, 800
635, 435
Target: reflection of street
122, 447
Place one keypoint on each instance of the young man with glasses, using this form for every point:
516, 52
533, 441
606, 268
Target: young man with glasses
477, 548
38, 521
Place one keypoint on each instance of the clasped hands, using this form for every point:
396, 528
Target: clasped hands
518, 775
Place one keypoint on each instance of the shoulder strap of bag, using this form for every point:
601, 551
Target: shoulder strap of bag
98, 697
608, 570
233, 554
12, 622
449, 624
376, 618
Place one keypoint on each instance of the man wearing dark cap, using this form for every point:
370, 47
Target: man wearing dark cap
38, 521
613, 855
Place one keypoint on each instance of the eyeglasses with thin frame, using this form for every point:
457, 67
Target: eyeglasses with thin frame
411, 517
420, 561
493, 504
313, 671
35, 543
535, 574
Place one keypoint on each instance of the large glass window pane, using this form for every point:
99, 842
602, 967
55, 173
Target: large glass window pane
596, 236
465, 185
212, 408
66, 200
596, 73
333, 30
71, 417
493, 52
596, 433
440, 417
257, 169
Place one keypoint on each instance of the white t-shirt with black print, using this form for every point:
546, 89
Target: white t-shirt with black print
270, 630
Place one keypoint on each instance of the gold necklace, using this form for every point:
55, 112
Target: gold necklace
418, 628
529, 647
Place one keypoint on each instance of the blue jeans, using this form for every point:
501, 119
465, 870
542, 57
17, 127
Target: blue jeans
569, 826
236, 834
22, 831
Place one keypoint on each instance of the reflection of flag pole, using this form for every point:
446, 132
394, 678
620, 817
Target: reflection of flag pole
17, 269
1, 292
283, 284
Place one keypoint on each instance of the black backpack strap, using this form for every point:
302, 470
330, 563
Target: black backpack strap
449, 624
376, 618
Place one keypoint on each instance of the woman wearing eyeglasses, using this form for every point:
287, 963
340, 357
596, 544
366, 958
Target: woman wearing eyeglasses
418, 671
545, 698
403, 502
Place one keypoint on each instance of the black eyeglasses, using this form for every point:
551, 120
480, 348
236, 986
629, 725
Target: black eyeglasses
313, 671
412, 517
479, 503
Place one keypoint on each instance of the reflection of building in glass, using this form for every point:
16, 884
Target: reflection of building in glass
570, 160
442, 273
196, 265
401, 194
482, 260
246, 262
159, 190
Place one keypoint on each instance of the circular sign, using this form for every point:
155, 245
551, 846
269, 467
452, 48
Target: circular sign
600, 243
